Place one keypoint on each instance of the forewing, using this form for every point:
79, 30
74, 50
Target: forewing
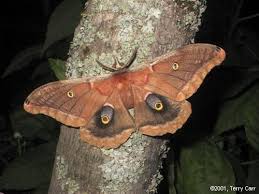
71, 102
177, 75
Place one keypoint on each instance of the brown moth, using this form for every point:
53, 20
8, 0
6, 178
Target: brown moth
157, 93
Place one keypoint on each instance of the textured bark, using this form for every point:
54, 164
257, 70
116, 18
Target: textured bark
116, 28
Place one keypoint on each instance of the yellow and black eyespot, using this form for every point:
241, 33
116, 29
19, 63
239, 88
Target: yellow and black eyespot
70, 94
175, 66
159, 106
105, 119
106, 114
155, 102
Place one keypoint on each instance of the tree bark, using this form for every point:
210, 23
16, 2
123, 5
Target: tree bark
116, 28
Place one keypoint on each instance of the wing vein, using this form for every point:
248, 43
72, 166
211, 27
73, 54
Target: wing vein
174, 76
53, 94
155, 87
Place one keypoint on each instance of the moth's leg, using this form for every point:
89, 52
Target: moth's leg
117, 64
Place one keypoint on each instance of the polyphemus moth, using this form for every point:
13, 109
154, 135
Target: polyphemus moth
157, 93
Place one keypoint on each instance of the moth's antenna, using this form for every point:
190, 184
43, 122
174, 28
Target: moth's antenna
117, 65
111, 69
131, 59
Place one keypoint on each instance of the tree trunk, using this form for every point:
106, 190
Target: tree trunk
116, 28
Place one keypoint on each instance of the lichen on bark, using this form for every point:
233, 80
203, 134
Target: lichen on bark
116, 28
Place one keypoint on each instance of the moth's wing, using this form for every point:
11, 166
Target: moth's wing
179, 74
169, 80
113, 132
153, 122
72, 102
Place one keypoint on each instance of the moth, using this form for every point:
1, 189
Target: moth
156, 93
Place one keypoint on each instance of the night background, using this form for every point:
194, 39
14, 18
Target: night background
224, 122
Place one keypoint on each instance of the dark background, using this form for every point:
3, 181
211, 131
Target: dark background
231, 24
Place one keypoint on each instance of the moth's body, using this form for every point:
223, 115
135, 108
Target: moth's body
122, 82
157, 93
